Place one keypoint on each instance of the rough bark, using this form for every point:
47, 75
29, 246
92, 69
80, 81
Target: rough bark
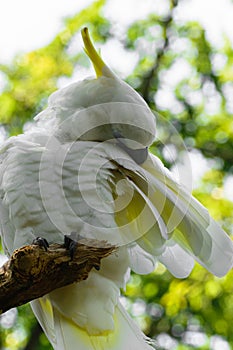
32, 272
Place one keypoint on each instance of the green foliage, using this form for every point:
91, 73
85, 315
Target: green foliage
198, 104
32, 77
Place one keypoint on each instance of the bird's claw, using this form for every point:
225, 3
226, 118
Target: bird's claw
71, 243
41, 242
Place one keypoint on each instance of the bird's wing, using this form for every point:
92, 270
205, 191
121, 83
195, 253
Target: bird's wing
48, 189
178, 219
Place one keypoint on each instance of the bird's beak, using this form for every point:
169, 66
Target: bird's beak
139, 155
100, 67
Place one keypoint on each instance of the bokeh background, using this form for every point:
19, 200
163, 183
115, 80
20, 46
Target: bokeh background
178, 55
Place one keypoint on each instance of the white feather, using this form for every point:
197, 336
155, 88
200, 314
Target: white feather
89, 316
65, 335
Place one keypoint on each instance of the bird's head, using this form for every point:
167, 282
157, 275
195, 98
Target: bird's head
105, 108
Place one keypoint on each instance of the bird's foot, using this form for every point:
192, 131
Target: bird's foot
71, 242
41, 242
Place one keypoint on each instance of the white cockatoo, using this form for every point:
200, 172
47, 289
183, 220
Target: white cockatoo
85, 167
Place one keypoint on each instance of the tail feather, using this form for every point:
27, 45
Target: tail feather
64, 334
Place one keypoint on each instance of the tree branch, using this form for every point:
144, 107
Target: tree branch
32, 272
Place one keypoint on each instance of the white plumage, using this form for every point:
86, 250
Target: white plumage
78, 170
